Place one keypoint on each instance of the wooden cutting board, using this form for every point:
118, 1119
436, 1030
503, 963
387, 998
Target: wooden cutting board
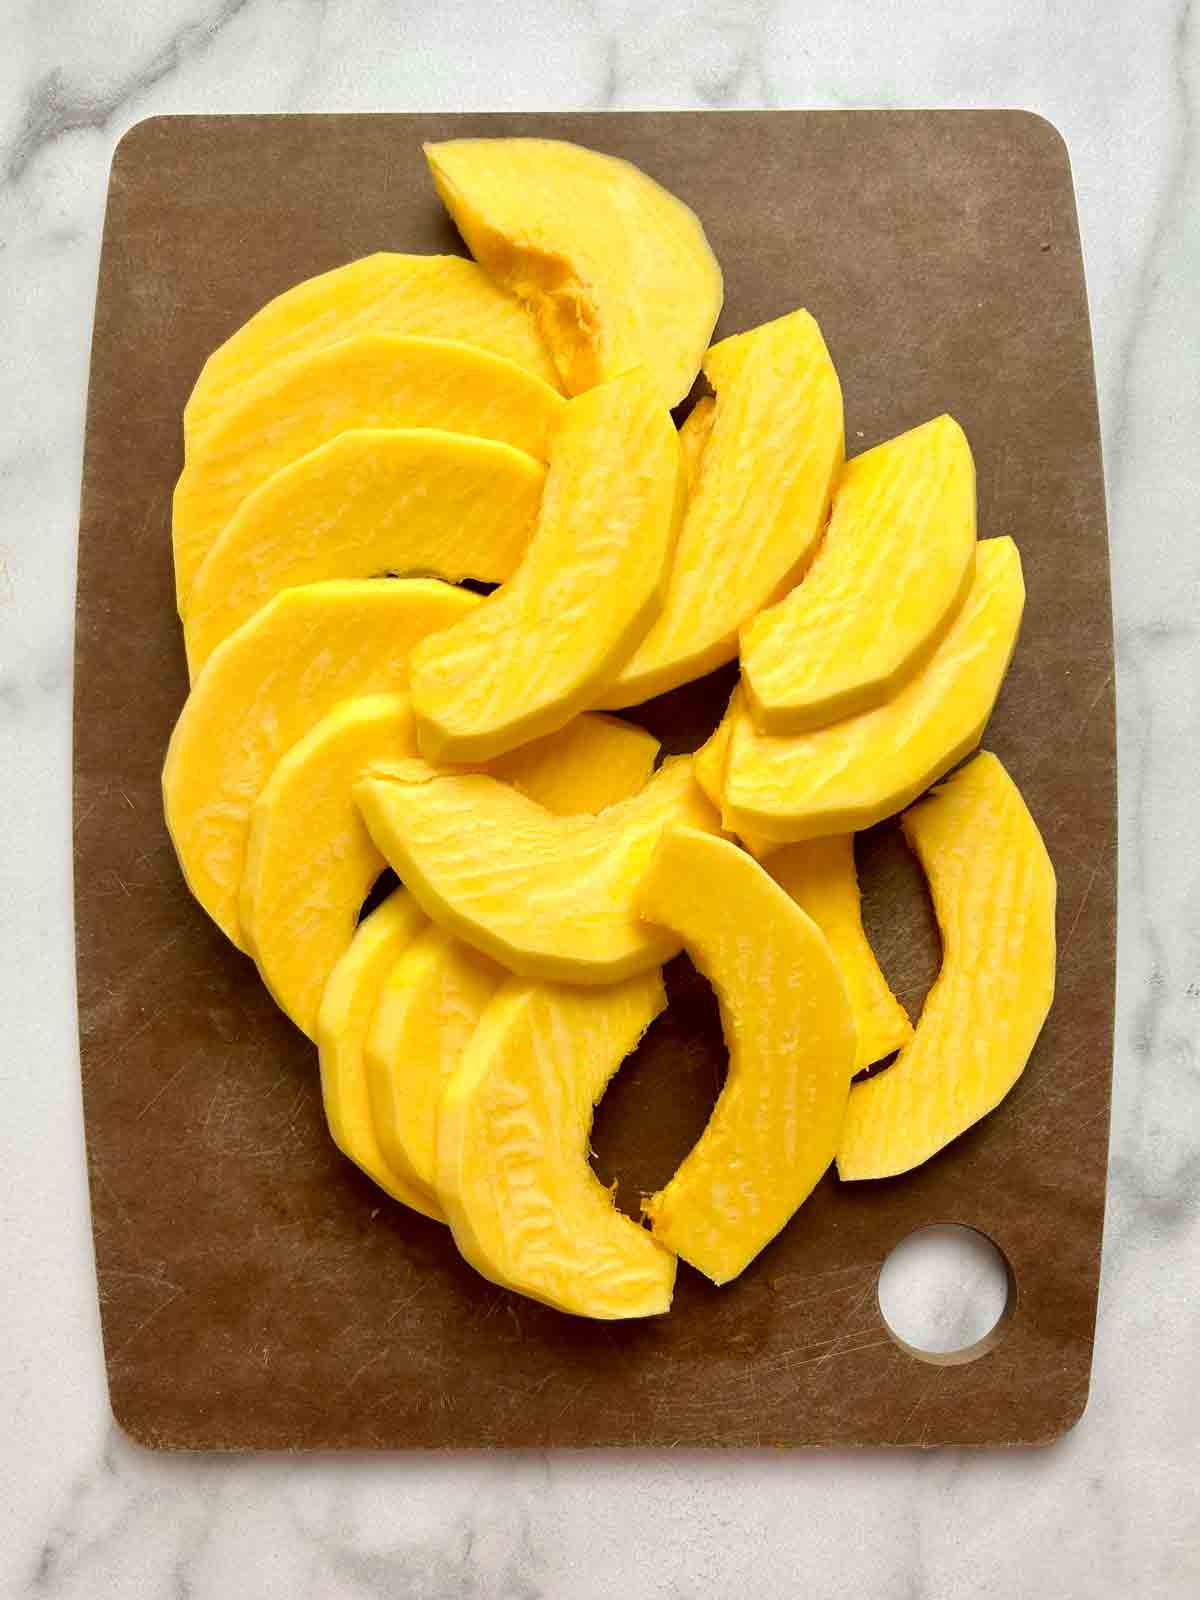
256, 1290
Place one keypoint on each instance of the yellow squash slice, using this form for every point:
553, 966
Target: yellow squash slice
891, 574
820, 877
993, 891
371, 381
758, 503
845, 777
616, 270
536, 652
262, 690
790, 1032
547, 897
430, 297
412, 502
513, 1175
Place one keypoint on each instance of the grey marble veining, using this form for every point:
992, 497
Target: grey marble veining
1115, 1509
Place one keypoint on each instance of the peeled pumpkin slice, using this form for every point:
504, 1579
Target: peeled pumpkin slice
547, 897
262, 690
345, 1016
616, 270
854, 773
370, 381
404, 501
758, 502
892, 572
536, 652
513, 1176
310, 861
820, 876
993, 891
790, 1031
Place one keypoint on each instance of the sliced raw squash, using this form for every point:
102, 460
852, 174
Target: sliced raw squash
993, 891
891, 574
262, 690
790, 1032
412, 502
547, 897
758, 503
536, 652
513, 1175
371, 381
845, 777
616, 270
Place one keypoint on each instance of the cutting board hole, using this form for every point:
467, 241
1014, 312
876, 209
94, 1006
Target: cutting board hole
946, 1293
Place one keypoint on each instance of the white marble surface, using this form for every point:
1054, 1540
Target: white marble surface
1112, 1511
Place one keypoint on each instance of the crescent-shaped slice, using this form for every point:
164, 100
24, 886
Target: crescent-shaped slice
513, 1176
790, 1033
993, 891
370, 381
547, 897
409, 502
262, 690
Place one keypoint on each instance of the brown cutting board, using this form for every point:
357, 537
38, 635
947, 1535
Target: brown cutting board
256, 1290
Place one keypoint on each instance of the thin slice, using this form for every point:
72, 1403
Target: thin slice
790, 1032
262, 690
757, 507
616, 270
845, 777
591, 582
994, 893
891, 575
410, 502
547, 897
370, 381
513, 1175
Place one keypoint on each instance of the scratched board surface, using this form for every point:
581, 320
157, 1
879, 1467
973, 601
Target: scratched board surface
256, 1290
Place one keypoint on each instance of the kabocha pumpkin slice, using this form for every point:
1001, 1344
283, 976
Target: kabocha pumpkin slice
536, 652
854, 773
820, 876
790, 1032
370, 381
758, 503
404, 501
310, 860
513, 1176
617, 271
993, 891
890, 576
262, 690
346, 1012
547, 897
432, 297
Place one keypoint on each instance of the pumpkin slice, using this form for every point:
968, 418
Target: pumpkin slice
404, 501
535, 653
845, 777
310, 861
513, 1176
790, 1031
371, 381
345, 1016
616, 270
993, 892
547, 897
757, 507
820, 877
431, 297
262, 690
891, 574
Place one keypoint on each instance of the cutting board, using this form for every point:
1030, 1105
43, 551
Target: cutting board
256, 1290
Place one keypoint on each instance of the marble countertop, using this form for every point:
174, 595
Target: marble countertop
1112, 1510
